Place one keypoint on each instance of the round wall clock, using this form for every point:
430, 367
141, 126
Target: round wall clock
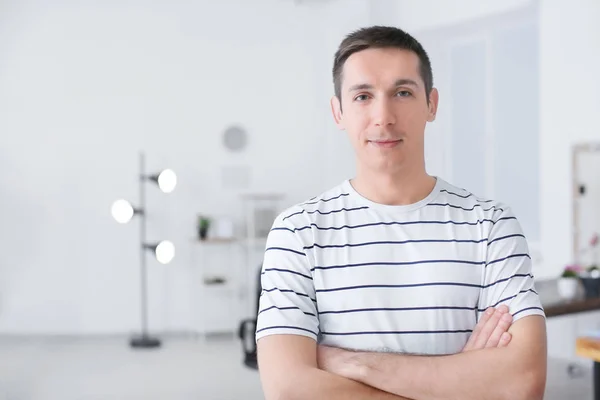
235, 138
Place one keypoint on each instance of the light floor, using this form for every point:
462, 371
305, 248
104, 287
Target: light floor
183, 369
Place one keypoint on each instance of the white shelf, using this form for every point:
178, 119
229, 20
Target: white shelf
219, 308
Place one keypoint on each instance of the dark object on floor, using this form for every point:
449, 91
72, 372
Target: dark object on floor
575, 371
247, 331
247, 336
215, 281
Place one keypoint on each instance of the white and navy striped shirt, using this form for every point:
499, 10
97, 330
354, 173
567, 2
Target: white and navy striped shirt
360, 275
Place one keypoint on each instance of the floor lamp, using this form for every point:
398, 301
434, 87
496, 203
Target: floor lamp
164, 251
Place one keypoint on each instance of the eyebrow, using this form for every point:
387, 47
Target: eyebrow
399, 82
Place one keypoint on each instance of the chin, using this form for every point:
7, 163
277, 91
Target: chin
389, 166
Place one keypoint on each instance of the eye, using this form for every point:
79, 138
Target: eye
361, 97
404, 93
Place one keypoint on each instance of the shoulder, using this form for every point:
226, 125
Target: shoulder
463, 200
304, 213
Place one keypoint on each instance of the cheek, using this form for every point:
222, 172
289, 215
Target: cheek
417, 116
357, 127
411, 122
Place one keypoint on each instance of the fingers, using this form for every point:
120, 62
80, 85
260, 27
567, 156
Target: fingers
488, 329
482, 321
491, 330
500, 329
505, 339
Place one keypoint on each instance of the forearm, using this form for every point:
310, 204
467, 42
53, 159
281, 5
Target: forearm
315, 384
489, 374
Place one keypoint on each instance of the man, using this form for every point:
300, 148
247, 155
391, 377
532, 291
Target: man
397, 284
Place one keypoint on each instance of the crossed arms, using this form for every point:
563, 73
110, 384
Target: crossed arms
493, 365
503, 358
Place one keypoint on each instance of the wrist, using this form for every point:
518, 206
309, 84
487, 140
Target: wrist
358, 366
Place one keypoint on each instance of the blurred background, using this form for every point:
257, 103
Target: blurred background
233, 97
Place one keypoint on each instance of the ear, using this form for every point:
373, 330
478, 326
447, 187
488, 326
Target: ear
434, 98
336, 110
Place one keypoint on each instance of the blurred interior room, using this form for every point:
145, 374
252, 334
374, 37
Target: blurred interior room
146, 148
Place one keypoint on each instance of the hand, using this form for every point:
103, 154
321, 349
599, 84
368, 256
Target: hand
491, 330
335, 360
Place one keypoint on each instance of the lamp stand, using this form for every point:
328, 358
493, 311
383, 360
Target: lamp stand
144, 340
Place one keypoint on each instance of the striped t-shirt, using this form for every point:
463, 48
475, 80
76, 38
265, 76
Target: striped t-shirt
360, 275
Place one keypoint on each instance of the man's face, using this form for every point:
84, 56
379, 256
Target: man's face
384, 108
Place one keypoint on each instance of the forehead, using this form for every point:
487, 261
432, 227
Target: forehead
380, 67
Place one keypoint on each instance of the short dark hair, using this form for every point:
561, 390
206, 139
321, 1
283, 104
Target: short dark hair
380, 37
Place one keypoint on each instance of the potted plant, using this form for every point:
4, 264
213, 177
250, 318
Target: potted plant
569, 281
591, 281
203, 225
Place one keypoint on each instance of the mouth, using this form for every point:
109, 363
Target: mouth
385, 143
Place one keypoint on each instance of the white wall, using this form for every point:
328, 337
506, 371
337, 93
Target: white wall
84, 86
570, 100
415, 16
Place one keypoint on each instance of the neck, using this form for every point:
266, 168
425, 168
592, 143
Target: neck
403, 187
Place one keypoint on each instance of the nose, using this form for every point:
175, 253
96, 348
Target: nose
383, 113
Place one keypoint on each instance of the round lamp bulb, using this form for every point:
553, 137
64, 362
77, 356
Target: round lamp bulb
122, 211
165, 251
167, 180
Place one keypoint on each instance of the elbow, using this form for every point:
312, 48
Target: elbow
529, 393
535, 390
536, 385
282, 389
530, 386
285, 393
277, 394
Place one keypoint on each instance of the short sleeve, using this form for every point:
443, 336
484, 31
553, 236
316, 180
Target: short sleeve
287, 303
508, 278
